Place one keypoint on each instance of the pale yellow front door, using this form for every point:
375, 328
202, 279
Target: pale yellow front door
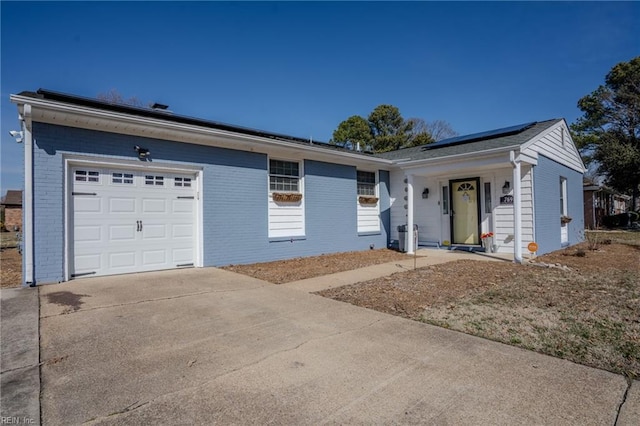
464, 211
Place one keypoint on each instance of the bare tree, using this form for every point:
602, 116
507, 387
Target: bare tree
440, 129
437, 129
116, 98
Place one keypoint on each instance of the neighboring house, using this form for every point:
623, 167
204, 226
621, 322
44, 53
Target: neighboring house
12, 205
600, 201
113, 189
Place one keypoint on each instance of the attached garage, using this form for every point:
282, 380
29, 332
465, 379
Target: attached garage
128, 220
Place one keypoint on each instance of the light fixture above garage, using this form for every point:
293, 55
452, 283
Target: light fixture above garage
143, 153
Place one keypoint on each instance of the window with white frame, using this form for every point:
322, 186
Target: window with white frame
563, 196
487, 198
445, 199
284, 176
286, 212
368, 207
366, 183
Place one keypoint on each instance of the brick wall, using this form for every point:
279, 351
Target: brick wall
12, 218
234, 197
546, 187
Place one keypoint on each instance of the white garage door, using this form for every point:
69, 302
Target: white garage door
131, 221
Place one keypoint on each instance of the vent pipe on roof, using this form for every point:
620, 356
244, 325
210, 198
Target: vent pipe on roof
157, 107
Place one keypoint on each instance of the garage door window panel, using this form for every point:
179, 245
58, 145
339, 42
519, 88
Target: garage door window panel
154, 180
182, 182
119, 178
89, 176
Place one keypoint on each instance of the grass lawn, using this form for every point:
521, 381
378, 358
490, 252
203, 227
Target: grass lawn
588, 313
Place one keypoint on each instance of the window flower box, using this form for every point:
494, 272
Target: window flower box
367, 199
287, 197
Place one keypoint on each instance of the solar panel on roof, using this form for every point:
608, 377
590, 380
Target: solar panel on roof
475, 137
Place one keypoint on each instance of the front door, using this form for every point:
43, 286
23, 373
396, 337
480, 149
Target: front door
465, 211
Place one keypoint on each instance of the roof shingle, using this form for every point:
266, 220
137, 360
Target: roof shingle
424, 152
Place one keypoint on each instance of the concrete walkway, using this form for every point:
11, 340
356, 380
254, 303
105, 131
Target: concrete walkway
20, 376
424, 257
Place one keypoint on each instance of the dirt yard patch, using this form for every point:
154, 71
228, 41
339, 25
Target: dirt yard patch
285, 271
588, 314
10, 268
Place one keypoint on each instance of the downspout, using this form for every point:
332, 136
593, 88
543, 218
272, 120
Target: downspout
409, 236
517, 208
27, 226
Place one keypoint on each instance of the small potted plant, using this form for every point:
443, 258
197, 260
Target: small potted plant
487, 239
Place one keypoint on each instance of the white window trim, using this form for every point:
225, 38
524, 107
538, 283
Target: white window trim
300, 174
377, 205
376, 184
71, 161
563, 195
301, 190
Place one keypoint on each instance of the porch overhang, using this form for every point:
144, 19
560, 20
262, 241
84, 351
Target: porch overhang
481, 160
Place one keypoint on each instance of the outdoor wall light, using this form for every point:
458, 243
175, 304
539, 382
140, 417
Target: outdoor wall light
425, 193
17, 135
143, 153
506, 187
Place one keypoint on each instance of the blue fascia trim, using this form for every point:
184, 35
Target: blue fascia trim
286, 239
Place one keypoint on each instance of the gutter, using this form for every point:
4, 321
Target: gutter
25, 117
455, 157
180, 127
517, 208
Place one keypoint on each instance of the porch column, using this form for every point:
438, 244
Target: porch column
410, 242
517, 210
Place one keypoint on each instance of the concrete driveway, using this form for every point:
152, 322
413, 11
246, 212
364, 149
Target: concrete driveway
204, 346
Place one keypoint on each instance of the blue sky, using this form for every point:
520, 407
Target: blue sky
301, 68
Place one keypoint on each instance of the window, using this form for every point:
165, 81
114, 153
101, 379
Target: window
367, 183
154, 180
122, 178
465, 186
445, 200
86, 176
487, 197
563, 196
284, 176
182, 182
